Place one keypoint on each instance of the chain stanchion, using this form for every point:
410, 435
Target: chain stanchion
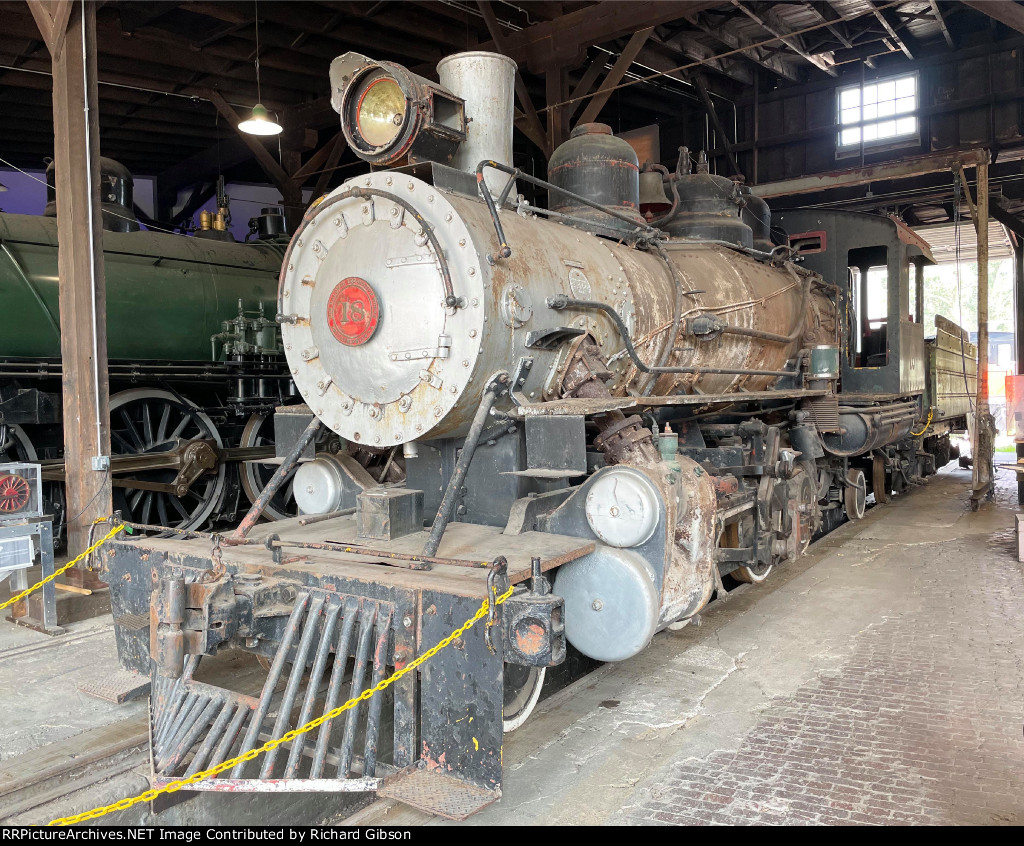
288, 737
69, 565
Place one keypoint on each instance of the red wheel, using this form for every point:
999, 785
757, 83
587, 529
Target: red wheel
14, 493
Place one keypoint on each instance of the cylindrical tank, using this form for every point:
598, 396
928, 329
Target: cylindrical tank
381, 360
166, 294
486, 81
595, 164
117, 196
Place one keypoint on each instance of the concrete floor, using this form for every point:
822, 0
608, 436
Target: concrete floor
877, 680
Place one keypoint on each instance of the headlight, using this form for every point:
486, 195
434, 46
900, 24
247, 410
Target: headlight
380, 111
389, 114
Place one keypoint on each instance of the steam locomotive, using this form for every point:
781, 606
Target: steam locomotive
196, 366
618, 409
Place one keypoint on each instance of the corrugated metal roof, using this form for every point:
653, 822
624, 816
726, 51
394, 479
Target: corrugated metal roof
943, 241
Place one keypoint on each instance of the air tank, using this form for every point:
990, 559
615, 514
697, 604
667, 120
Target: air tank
595, 164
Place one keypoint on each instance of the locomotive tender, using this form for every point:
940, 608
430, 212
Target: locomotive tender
617, 414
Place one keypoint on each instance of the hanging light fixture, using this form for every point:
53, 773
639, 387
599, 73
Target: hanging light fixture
259, 122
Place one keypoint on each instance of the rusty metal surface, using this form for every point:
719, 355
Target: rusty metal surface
197, 725
598, 406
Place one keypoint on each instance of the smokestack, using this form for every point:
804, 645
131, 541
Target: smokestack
486, 81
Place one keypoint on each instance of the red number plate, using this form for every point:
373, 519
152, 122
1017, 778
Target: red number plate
353, 311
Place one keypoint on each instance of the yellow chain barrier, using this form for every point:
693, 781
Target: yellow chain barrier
928, 423
150, 795
66, 567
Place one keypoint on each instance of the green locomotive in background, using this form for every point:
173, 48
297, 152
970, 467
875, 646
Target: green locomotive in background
195, 358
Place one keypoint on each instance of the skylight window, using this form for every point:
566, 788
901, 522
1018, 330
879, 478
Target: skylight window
878, 112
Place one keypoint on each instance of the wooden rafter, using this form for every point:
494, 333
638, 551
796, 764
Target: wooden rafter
682, 41
1004, 11
726, 35
832, 19
709, 107
768, 20
52, 19
941, 21
890, 24
614, 77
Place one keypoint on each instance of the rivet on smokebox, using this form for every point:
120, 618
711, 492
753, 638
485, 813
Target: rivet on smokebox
459, 643
407, 622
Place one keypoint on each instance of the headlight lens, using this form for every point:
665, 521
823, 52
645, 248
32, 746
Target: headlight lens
380, 112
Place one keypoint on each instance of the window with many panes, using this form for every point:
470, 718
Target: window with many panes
879, 112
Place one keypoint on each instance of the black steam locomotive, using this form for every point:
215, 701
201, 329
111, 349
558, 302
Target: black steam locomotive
613, 410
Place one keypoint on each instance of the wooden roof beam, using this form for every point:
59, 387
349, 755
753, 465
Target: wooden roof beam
769, 20
1004, 11
614, 77
727, 36
890, 24
941, 21
562, 42
697, 51
832, 19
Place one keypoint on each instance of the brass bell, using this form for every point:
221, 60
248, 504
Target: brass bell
652, 194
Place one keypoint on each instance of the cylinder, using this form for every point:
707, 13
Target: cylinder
824, 362
604, 169
486, 81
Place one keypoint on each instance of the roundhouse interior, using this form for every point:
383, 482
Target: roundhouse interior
528, 413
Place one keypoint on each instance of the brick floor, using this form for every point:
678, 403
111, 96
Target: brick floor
923, 725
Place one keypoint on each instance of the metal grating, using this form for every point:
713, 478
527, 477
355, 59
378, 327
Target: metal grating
118, 687
437, 793
133, 622
196, 726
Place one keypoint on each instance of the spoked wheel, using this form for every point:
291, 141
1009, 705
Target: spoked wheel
259, 431
806, 494
522, 690
855, 495
16, 446
143, 422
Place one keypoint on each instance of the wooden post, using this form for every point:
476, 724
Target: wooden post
1018, 338
984, 434
69, 30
